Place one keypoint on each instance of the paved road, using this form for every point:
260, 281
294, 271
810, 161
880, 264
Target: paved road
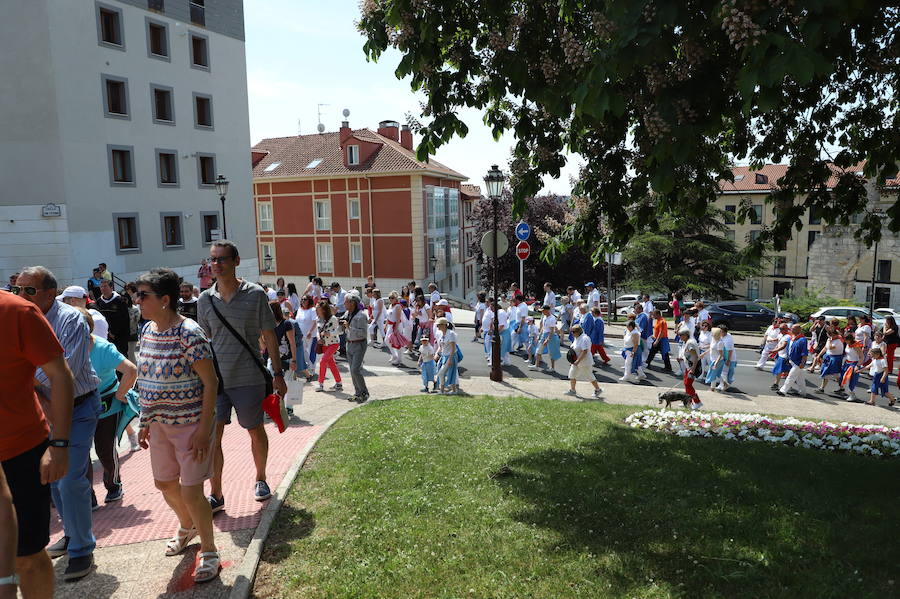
748, 381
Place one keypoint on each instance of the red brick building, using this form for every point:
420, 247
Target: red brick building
348, 204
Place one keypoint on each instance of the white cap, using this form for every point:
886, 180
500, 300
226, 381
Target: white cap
73, 291
443, 302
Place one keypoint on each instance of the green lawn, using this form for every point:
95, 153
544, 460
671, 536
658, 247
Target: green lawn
398, 500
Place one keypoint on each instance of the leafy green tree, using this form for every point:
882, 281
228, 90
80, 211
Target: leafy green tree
660, 97
689, 254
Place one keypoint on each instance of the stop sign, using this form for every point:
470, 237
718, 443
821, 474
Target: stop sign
523, 250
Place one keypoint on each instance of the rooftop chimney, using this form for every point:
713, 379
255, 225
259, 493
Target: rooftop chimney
389, 129
345, 131
406, 138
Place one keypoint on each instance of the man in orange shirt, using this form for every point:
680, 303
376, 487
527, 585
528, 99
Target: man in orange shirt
660, 341
31, 461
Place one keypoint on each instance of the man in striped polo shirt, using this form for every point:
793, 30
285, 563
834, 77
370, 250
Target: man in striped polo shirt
246, 308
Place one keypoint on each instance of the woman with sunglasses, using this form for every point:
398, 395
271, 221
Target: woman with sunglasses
177, 386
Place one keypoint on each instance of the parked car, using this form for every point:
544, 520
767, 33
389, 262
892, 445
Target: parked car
887, 312
744, 315
845, 311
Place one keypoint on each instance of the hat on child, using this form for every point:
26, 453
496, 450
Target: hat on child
72, 291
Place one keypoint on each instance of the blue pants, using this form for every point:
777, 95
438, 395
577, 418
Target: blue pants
732, 366
429, 370
715, 372
505, 342
72, 493
450, 376
522, 334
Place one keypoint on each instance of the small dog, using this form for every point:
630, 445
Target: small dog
670, 396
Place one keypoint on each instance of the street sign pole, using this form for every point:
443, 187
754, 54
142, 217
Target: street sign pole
523, 232
522, 276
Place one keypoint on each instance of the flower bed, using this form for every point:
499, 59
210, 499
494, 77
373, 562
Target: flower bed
871, 439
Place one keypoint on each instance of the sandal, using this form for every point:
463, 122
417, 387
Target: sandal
870, 403
208, 568
180, 541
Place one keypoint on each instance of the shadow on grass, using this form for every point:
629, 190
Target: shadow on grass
715, 518
291, 525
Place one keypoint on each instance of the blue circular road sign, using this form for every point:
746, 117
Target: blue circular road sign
523, 231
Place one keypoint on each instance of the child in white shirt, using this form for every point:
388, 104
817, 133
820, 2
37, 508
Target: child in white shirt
427, 365
878, 370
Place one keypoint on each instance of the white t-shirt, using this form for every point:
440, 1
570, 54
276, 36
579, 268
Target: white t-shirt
835, 347
728, 340
522, 311
862, 333
436, 337
295, 302
853, 354
575, 296
101, 326
480, 307
306, 320
503, 318
582, 343
550, 299
435, 297
629, 338
648, 307
786, 339
704, 339
548, 323
690, 323
877, 366
378, 309
448, 338
422, 315
594, 299
772, 334
273, 295
426, 352
449, 316
703, 315
686, 349
487, 319
715, 350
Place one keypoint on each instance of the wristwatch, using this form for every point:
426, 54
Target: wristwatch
279, 373
59, 442
12, 579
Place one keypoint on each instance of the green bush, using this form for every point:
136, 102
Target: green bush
810, 301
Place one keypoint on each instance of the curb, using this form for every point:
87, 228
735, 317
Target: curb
246, 573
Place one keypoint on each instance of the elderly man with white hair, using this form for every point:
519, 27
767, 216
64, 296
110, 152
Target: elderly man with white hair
75, 295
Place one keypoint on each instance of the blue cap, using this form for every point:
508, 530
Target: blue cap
589, 284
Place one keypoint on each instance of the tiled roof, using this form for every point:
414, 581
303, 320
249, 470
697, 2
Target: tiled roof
745, 178
470, 190
295, 154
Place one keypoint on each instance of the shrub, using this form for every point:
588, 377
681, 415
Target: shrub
804, 304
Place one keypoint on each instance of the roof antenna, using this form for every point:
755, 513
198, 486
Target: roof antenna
320, 126
299, 131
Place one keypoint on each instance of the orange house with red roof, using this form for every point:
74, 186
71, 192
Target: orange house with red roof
344, 205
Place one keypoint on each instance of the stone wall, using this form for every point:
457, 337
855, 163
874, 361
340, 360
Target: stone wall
836, 259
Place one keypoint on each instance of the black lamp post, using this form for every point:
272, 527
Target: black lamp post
494, 183
222, 190
433, 262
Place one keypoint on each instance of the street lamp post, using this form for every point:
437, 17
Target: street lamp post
433, 262
494, 183
222, 190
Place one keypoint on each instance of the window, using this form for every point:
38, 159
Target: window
206, 169
264, 211
128, 237
167, 168
811, 238
323, 216
756, 215
729, 214
856, 218
323, 258
115, 97
754, 234
314, 163
163, 112
452, 207
780, 266
157, 5
171, 230
210, 223
353, 207
753, 289
453, 255
729, 235
267, 249
121, 165
438, 208
356, 253
814, 217
203, 116
109, 24
884, 271
198, 12
761, 179
272, 167
199, 51
352, 154
781, 288
157, 40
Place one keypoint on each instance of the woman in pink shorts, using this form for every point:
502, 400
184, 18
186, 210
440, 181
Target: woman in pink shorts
177, 385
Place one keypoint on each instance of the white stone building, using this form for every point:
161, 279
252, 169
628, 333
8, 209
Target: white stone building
116, 116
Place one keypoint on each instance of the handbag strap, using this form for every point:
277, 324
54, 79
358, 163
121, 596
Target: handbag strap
238, 336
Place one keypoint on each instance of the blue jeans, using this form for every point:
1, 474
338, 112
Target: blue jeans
72, 493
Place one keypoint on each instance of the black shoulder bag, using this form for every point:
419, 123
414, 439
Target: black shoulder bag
255, 355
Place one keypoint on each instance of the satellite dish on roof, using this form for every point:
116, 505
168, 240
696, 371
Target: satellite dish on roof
346, 113
321, 128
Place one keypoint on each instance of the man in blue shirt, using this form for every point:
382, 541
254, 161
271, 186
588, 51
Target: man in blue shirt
642, 320
798, 348
598, 335
72, 493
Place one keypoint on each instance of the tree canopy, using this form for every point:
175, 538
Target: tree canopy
687, 254
660, 97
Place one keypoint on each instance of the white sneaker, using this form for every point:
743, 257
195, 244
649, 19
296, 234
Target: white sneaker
320, 388
722, 388
533, 367
697, 406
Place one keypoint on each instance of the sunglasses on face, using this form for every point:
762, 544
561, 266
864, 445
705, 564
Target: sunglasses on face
142, 294
17, 290
219, 259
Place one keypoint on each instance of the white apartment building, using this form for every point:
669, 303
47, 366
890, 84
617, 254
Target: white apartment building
116, 116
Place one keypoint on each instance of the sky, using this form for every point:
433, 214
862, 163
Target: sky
302, 53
